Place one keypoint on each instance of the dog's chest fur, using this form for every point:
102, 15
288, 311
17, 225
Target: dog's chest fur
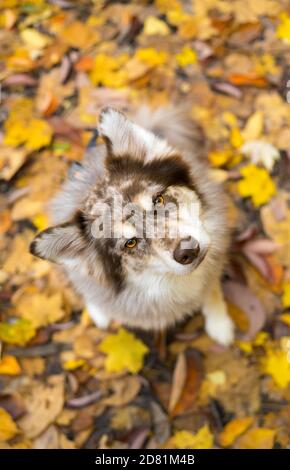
152, 302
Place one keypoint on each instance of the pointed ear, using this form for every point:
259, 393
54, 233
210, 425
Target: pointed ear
60, 244
123, 137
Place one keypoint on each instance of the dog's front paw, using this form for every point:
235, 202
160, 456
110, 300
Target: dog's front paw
220, 328
100, 318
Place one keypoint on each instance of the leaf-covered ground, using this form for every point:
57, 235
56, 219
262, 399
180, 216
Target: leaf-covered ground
63, 382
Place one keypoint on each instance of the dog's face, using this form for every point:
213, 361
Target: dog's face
145, 216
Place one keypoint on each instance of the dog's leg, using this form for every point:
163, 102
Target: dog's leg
218, 323
99, 317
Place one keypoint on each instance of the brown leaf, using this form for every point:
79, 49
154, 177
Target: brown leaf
43, 404
242, 297
178, 380
192, 383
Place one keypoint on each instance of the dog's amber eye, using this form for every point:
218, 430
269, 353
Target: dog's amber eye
158, 200
131, 243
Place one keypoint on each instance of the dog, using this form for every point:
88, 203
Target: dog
141, 229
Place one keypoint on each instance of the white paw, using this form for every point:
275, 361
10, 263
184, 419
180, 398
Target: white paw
220, 328
100, 318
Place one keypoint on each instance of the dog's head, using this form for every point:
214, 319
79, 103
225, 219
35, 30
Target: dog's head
145, 215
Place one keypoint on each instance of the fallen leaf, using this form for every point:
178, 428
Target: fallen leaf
276, 364
234, 429
123, 391
43, 403
261, 152
79, 35
253, 128
8, 428
178, 380
40, 309
19, 332
260, 438
203, 439
9, 366
286, 295
192, 384
286, 318
257, 184
283, 29
153, 26
34, 39
108, 71
186, 57
11, 160
247, 80
241, 296
124, 351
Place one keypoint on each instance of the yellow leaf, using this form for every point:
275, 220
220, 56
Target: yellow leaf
286, 318
236, 138
124, 351
257, 184
220, 158
40, 221
203, 439
151, 56
19, 250
233, 429
33, 133
168, 5
260, 438
286, 295
73, 364
19, 332
254, 126
107, 71
40, 309
283, 30
277, 364
39, 134
8, 428
260, 340
154, 26
186, 57
79, 35
9, 366
230, 119
266, 64
34, 39
177, 17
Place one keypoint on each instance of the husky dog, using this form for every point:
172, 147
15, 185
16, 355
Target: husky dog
146, 275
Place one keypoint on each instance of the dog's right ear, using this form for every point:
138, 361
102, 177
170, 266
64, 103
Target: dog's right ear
125, 138
60, 244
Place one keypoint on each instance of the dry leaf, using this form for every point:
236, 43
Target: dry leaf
8, 428
203, 439
260, 438
234, 429
178, 380
124, 352
9, 366
43, 403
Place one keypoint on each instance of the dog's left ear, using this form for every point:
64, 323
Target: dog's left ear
123, 137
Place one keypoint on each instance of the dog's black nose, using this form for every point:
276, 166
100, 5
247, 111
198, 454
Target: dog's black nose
186, 251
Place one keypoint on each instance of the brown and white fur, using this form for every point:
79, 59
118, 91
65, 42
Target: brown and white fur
148, 286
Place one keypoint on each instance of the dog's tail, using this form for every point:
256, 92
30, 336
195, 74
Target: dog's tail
174, 124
